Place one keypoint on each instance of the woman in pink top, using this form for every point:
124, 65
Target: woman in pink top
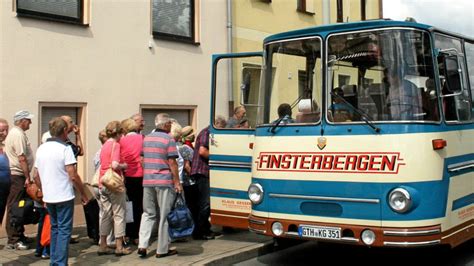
131, 147
113, 203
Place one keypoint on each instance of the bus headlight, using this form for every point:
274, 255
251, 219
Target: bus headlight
277, 228
400, 200
255, 192
368, 237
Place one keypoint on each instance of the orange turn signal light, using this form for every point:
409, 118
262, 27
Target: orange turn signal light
251, 145
438, 144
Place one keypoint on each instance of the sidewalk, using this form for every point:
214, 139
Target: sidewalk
224, 250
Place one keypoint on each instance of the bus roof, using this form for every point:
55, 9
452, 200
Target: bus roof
361, 25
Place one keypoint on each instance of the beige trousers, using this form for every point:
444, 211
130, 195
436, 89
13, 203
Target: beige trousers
112, 213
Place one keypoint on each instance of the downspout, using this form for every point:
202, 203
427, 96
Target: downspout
326, 12
229, 50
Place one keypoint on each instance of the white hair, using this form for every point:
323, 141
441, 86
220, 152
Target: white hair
161, 120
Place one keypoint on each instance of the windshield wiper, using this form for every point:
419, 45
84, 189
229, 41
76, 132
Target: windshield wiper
276, 124
363, 115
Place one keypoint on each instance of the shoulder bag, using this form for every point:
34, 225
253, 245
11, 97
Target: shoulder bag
111, 179
180, 221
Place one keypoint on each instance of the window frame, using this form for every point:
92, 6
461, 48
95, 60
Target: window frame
81, 20
191, 109
301, 6
465, 75
327, 97
194, 25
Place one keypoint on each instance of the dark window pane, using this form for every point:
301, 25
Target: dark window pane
67, 8
173, 18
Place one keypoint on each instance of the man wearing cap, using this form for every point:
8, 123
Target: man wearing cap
20, 155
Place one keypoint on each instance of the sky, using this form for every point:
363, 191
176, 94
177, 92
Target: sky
451, 15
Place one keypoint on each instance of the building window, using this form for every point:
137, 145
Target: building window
183, 114
305, 6
176, 20
340, 16
71, 11
76, 111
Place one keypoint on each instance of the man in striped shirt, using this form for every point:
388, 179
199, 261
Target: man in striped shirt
161, 183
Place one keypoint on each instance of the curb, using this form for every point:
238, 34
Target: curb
242, 254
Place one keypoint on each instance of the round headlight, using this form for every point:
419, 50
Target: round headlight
400, 200
277, 228
255, 192
368, 237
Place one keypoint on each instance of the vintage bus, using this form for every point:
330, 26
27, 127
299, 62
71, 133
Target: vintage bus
359, 133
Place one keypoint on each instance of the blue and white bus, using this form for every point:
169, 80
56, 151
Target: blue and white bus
360, 133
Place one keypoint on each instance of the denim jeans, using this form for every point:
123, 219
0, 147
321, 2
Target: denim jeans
61, 229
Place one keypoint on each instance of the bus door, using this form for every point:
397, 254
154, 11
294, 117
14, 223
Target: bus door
234, 107
458, 115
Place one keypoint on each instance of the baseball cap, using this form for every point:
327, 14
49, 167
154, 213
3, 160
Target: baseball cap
23, 114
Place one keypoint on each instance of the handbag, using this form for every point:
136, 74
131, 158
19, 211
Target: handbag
111, 179
180, 221
24, 212
35, 193
46, 231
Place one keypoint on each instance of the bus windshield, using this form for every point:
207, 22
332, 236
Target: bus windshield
291, 82
386, 75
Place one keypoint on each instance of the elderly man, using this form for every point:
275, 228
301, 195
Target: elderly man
161, 183
20, 155
77, 148
138, 118
234, 121
56, 174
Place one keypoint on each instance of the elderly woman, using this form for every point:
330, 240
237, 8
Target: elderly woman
131, 148
113, 203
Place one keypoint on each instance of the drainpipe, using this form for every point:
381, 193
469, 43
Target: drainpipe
229, 50
326, 12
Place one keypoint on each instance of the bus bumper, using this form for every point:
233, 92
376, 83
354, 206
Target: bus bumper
351, 234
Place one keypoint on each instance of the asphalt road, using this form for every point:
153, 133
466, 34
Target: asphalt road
313, 253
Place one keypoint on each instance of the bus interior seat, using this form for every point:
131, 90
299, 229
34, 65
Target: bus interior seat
308, 111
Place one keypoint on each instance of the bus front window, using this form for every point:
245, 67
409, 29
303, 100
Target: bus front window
291, 82
385, 75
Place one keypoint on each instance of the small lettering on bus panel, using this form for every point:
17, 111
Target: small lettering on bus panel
376, 162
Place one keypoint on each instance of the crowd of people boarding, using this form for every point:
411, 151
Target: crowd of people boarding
155, 167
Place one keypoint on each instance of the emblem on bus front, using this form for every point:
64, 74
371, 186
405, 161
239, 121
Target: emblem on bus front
322, 142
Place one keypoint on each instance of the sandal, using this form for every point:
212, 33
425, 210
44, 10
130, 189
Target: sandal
106, 251
122, 252
170, 253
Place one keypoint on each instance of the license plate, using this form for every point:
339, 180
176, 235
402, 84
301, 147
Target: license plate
319, 232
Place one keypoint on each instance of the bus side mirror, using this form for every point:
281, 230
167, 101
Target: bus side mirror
453, 74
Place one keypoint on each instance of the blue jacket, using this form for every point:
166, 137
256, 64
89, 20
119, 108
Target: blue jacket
4, 168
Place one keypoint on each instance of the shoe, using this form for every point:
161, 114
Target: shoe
20, 246
106, 251
216, 233
45, 256
141, 252
122, 252
26, 239
74, 239
170, 253
208, 236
